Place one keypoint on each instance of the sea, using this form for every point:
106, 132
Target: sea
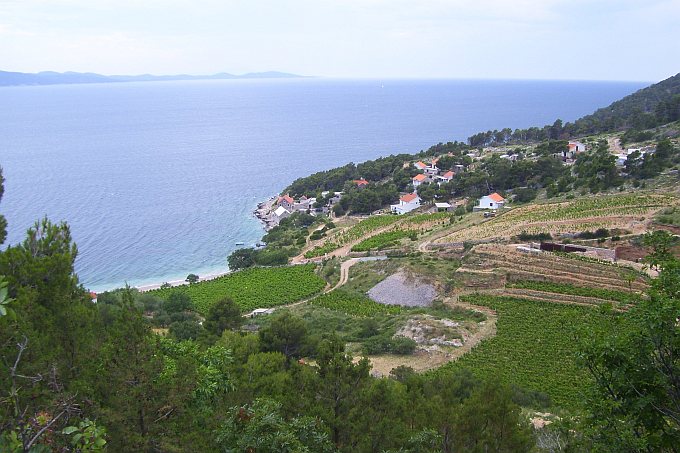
160, 179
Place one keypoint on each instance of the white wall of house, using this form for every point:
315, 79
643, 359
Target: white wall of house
487, 202
404, 207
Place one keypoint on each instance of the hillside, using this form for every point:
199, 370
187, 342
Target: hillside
539, 318
649, 107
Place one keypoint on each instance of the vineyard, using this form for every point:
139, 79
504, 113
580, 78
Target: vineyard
590, 213
520, 266
353, 233
401, 226
563, 288
535, 346
253, 288
383, 240
353, 304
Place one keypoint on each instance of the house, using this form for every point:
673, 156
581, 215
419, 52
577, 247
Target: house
493, 201
260, 312
280, 214
361, 183
573, 148
432, 168
444, 207
446, 177
305, 204
419, 179
407, 203
286, 201
420, 166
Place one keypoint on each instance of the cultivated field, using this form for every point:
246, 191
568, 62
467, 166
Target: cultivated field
550, 277
388, 230
253, 288
535, 346
628, 211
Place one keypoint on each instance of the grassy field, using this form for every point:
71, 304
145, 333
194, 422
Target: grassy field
254, 288
535, 346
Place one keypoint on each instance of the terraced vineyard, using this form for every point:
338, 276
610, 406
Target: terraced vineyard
361, 229
382, 240
254, 288
549, 267
535, 346
563, 288
401, 225
589, 213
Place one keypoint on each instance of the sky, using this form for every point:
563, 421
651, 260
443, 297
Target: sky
635, 40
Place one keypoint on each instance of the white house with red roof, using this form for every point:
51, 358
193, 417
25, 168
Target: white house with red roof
361, 183
419, 179
573, 148
286, 201
420, 165
407, 203
493, 201
446, 177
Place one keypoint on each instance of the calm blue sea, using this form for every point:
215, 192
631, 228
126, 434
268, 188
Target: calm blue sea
159, 179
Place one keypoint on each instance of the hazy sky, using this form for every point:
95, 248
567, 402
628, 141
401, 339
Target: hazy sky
537, 39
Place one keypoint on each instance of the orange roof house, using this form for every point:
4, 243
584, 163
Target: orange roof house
497, 198
360, 182
419, 177
286, 199
408, 198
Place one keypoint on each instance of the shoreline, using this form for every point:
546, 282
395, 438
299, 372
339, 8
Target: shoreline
175, 283
263, 212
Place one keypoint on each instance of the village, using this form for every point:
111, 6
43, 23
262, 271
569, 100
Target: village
272, 211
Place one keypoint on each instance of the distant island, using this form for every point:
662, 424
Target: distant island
58, 78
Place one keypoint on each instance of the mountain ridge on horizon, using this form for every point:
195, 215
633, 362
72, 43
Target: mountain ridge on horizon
8, 78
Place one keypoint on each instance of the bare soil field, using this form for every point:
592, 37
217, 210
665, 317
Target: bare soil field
403, 289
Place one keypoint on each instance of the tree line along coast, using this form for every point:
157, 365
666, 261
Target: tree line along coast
518, 292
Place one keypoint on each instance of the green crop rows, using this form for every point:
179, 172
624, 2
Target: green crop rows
254, 288
616, 205
535, 346
564, 288
355, 232
382, 240
440, 217
353, 304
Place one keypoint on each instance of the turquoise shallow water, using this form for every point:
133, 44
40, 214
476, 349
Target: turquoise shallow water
160, 179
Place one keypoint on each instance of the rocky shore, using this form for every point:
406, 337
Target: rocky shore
265, 213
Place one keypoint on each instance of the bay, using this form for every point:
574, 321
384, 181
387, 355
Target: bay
159, 179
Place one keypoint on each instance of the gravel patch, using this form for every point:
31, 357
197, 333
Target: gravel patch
400, 289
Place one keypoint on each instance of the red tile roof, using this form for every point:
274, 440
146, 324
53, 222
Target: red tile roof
495, 197
409, 197
420, 177
448, 174
287, 199
419, 164
360, 182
